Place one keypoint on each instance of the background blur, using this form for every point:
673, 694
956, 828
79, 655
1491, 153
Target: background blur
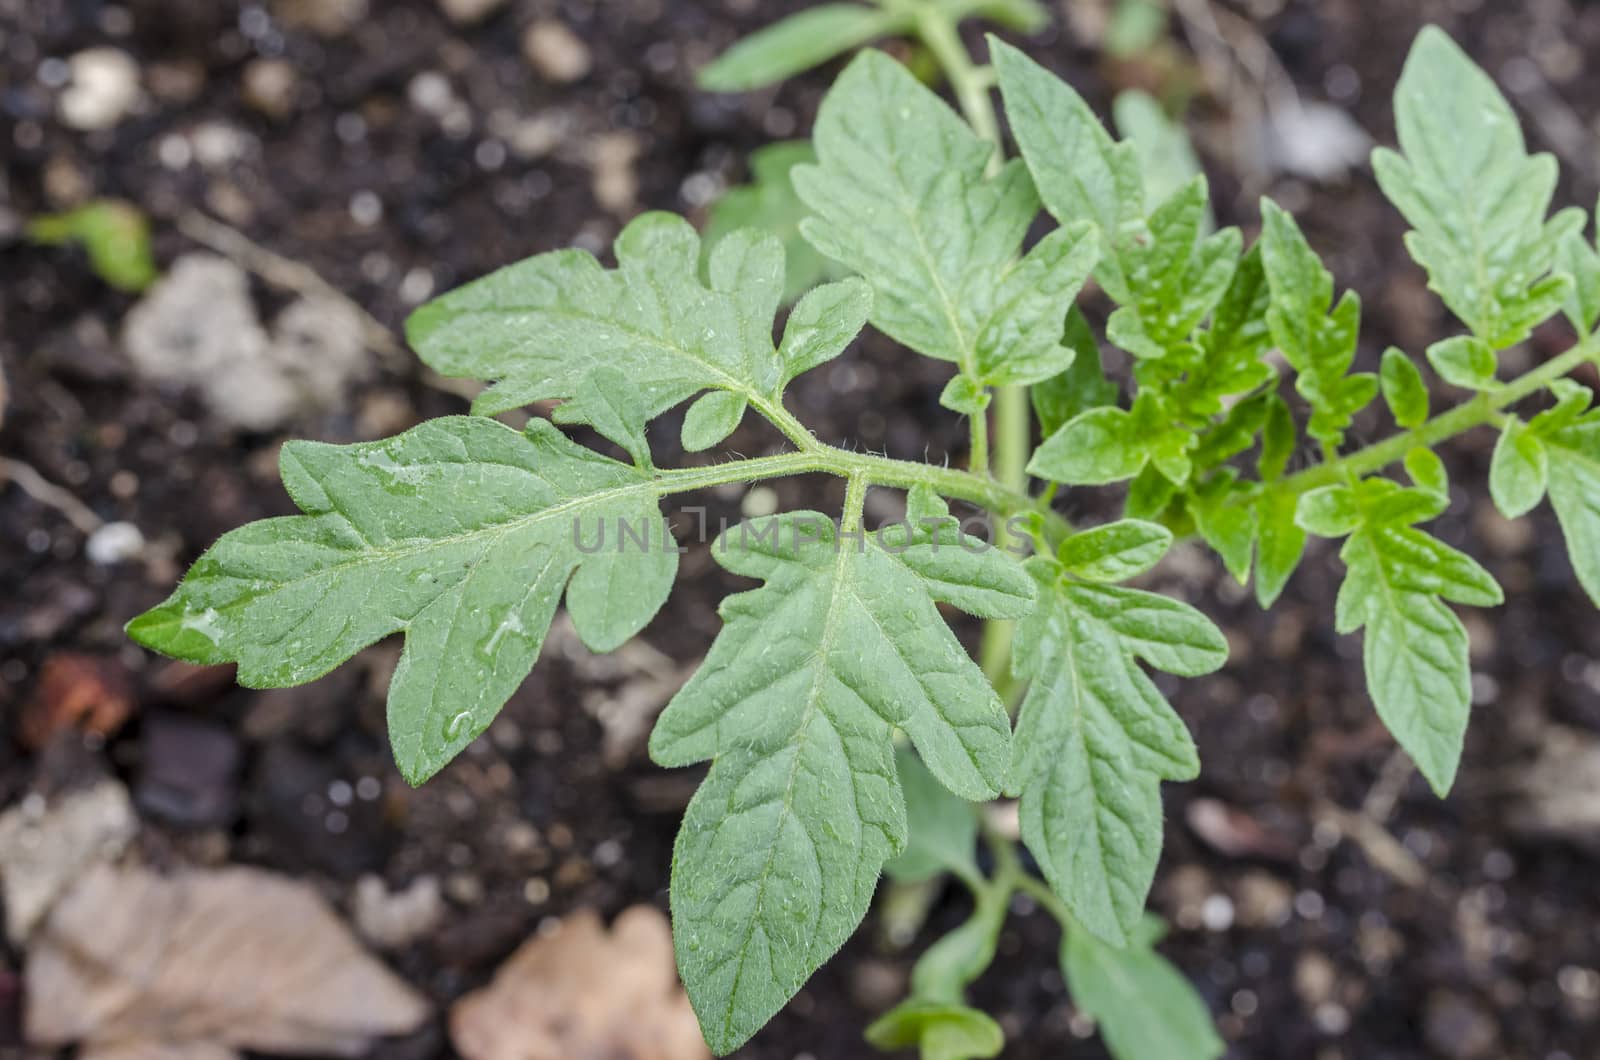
309, 171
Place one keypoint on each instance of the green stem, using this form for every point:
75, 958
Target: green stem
1476, 412
869, 469
1013, 427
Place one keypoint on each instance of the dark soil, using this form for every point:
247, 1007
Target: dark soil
1299, 943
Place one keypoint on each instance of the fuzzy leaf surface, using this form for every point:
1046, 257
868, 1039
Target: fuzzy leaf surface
1397, 579
1321, 345
541, 327
1095, 738
1145, 1008
795, 705
1475, 199
901, 195
463, 533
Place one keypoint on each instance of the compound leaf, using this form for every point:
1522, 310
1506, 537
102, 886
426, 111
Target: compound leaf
902, 196
797, 43
1082, 174
1475, 199
1145, 1008
1320, 345
541, 327
1396, 583
462, 533
795, 705
1095, 738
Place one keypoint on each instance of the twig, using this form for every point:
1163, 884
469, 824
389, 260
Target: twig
293, 275
1386, 853
50, 495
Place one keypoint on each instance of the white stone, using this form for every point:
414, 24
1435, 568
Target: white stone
103, 89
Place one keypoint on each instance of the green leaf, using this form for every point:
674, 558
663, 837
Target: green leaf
940, 1030
1321, 346
1024, 16
902, 196
799, 42
1022, 342
1176, 278
1081, 387
795, 705
1280, 542
1230, 352
965, 395
1226, 519
1105, 445
1464, 361
1428, 471
1278, 440
1578, 259
1520, 470
1397, 579
711, 419
1166, 157
617, 411
1081, 173
1329, 511
769, 203
1475, 200
1146, 1009
115, 235
943, 827
1573, 447
822, 325
1114, 552
462, 533
1095, 738
1403, 389
540, 327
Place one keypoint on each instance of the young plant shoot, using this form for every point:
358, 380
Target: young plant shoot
848, 732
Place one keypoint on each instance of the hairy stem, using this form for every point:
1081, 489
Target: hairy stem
971, 85
1483, 409
869, 469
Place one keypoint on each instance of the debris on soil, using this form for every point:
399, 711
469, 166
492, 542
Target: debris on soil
1457, 1027
616, 185
92, 694
45, 846
103, 88
211, 960
580, 990
114, 543
555, 52
270, 86
198, 327
392, 920
1316, 141
1558, 794
466, 12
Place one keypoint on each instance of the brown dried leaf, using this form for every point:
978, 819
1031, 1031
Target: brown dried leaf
234, 958
581, 993
90, 693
